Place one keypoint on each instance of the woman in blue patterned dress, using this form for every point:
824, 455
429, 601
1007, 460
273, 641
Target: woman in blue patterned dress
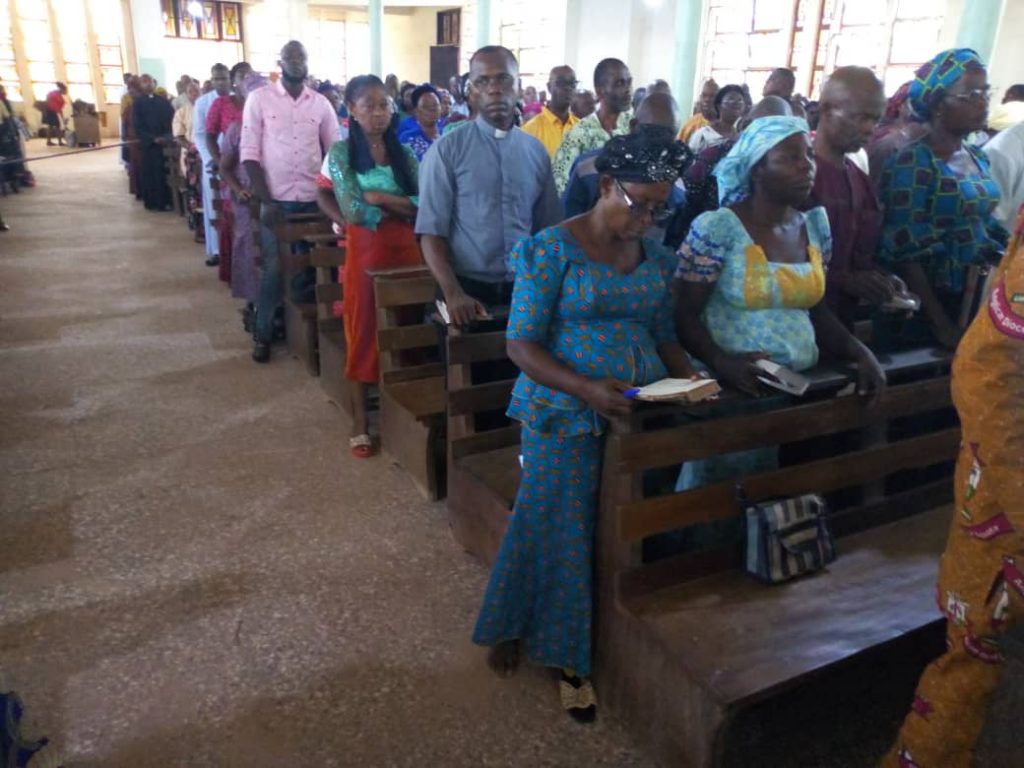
591, 316
421, 129
939, 198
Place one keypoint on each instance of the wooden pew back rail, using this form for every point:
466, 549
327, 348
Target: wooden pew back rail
483, 464
412, 379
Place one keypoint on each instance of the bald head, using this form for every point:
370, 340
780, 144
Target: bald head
852, 103
294, 63
769, 106
562, 84
658, 109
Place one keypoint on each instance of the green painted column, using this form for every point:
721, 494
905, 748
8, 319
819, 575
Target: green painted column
687, 52
979, 25
483, 24
376, 13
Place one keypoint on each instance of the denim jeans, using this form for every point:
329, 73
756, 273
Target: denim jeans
270, 279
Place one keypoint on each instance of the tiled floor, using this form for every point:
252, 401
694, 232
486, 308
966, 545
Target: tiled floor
193, 571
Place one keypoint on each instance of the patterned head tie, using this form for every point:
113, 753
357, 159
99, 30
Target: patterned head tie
932, 80
646, 156
733, 171
896, 102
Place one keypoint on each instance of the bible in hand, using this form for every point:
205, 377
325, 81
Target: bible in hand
682, 390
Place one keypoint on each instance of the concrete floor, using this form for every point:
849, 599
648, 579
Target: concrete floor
193, 570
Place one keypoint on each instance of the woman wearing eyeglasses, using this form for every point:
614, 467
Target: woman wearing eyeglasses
939, 199
730, 104
591, 317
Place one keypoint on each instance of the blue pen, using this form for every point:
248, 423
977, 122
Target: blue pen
631, 392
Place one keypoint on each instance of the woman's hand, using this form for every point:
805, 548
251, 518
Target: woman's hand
740, 372
607, 396
871, 380
373, 198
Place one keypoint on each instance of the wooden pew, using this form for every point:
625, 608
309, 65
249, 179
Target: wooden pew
300, 318
412, 379
687, 644
483, 465
328, 258
175, 180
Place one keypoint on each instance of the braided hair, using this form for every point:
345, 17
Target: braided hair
359, 156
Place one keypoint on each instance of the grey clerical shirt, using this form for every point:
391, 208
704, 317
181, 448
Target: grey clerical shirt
483, 189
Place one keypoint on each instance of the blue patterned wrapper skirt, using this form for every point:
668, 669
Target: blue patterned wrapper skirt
540, 587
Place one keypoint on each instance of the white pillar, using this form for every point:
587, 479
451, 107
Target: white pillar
979, 26
484, 30
687, 52
376, 11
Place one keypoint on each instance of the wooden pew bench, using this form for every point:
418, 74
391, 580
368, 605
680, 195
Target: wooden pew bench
483, 464
687, 644
300, 318
412, 378
327, 257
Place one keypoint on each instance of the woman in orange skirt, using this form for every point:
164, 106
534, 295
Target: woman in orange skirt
369, 185
981, 577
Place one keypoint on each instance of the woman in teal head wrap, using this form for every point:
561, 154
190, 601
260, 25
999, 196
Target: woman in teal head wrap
752, 274
750, 284
939, 198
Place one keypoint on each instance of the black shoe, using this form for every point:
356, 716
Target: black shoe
248, 317
4, 227
213, 261
261, 352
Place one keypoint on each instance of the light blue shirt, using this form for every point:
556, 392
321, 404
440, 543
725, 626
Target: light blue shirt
483, 190
201, 110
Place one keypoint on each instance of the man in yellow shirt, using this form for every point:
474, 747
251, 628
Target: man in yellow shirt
706, 114
555, 121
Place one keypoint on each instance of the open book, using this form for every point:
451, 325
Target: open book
684, 390
782, 378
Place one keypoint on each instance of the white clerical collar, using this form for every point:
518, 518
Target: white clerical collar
489, 129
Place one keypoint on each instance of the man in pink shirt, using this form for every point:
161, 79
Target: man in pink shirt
287, 128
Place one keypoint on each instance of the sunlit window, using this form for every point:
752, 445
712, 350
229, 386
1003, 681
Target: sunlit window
9, 77
534, 30
746, 39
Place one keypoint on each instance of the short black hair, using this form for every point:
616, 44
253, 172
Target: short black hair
604, 66
238, 66
489, 50
419, 92
1014, 93
218, 65
786, 74
723, 92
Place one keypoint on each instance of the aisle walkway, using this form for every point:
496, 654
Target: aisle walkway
192, 569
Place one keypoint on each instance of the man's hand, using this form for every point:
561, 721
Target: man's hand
463, 309
873, 286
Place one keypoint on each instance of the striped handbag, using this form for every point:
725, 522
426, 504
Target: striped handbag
787, 538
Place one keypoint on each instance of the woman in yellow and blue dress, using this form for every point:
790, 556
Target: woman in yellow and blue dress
751, 281
591, 317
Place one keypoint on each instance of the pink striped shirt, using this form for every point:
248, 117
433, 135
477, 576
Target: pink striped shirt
289, 138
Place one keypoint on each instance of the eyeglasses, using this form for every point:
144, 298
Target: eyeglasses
976, 94
566, 83
658, 213
504, 80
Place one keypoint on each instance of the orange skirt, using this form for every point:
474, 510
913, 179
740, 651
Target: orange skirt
392, 245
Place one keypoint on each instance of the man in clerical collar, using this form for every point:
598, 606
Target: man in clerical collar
482, 188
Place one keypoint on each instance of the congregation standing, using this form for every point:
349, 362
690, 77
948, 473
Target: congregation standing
618, 244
